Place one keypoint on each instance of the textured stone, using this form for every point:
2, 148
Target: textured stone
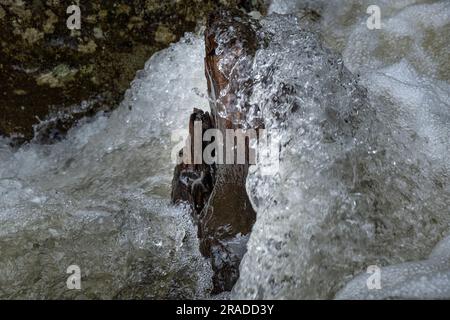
115, 40
217, 193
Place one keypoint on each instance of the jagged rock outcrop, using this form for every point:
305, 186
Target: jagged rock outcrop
217, 192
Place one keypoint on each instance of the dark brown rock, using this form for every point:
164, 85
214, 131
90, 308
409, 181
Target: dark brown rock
221, 205
193, 183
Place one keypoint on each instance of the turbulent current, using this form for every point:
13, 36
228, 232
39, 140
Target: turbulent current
101, 198
363, 176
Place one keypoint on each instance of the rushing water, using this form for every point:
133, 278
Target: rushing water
362, 181
100, 198
363, 178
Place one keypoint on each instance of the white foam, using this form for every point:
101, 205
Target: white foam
100, 198
377, 191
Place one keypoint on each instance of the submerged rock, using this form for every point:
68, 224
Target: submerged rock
426, 279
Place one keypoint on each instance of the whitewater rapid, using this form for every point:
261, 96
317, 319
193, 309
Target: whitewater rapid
100, 199
363, 179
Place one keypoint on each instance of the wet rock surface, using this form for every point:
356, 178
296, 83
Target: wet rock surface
48, 72
217, 193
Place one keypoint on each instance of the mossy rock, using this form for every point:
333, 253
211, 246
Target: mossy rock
47, 69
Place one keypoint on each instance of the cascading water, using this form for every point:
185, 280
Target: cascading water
363, 176
362, 181
101, 198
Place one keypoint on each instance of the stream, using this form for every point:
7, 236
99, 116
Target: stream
363, 178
